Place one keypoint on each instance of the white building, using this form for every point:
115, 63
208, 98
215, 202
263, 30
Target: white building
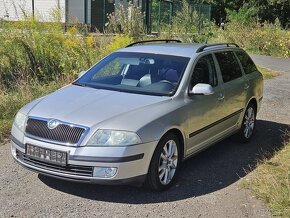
91, 12
15, 10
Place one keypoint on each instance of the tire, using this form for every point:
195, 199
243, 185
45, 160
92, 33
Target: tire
247, 130
164, 167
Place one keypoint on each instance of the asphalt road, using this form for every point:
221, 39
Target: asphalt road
208, 185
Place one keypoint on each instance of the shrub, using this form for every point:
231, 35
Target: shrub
188, 26
45, 55
267, 39
128, 21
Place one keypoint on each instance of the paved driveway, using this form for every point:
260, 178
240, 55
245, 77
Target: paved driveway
208, 184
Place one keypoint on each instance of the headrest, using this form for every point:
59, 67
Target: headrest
172, 76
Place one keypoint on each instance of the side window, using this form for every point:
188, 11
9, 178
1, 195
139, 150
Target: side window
204, 72
230, 68
247, 63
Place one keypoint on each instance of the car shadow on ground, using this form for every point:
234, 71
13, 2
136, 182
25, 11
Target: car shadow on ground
211, 170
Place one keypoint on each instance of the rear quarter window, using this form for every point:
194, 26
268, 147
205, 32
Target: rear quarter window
229, 65
247, 63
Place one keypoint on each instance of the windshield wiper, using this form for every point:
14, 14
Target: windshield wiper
80, 84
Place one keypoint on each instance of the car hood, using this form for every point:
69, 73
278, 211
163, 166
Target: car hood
89, 107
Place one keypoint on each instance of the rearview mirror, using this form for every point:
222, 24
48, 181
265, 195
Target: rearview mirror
82, 73
202, 89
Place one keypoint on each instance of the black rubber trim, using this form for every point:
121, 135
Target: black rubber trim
215, 123
200, 49
16, 141
135, 181
154, 40
107, 159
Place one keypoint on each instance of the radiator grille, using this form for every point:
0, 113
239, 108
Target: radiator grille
63, 133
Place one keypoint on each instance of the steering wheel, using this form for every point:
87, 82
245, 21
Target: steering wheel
166, 81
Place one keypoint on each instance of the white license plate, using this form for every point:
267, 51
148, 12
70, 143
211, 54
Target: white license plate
46, 155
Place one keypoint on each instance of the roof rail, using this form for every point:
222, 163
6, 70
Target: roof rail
200, 49
154, 40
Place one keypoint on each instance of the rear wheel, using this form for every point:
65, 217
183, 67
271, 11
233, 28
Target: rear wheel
164, 165
248, 125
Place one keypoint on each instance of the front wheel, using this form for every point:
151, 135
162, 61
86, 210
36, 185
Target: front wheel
248, 124
164, 164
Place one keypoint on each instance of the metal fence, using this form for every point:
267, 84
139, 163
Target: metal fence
163, 12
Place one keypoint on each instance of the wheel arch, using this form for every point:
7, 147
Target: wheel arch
253, 101
180, 136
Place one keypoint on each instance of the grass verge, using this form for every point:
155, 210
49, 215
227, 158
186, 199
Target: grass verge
271, 182
267, 73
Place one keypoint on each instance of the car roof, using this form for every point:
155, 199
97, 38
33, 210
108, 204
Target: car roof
176, 49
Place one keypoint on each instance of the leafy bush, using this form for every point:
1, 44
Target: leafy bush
268, 39
45, 55
37, 60
188, 26
128, 21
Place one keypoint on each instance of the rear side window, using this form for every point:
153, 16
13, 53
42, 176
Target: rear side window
230, 68
247, 63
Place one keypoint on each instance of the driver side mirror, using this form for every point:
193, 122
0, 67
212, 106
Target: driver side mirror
202, 89
82, 73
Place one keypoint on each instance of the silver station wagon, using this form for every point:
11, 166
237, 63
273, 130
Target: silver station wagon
139, 112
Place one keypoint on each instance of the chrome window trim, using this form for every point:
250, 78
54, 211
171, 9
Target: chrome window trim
87, 129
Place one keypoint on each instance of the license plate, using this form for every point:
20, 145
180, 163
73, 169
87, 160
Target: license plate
46, 155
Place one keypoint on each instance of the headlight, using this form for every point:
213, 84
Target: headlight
20, 121
114, 138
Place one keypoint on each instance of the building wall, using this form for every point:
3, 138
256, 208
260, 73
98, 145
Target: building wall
44, 9
15, 10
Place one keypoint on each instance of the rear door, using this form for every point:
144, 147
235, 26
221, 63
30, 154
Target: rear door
234, 85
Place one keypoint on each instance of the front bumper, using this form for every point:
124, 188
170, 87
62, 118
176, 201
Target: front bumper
132, 162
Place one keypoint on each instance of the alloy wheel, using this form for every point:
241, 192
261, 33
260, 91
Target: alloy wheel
168, 162
249, 122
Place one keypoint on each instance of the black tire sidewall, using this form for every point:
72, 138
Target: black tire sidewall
153, 181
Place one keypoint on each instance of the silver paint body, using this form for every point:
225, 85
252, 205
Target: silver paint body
149, 116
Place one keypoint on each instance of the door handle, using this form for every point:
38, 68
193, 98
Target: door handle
246, 86
221, 97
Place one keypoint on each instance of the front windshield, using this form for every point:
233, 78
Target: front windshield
151, 74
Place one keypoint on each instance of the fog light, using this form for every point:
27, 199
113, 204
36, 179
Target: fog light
13, 151
105, 172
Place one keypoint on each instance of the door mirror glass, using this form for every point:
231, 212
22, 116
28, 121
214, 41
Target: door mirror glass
202, 89
82, 73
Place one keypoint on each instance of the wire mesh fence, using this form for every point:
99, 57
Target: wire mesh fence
163, 13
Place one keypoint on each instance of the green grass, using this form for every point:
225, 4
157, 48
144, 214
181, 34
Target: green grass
267, 73
271, 182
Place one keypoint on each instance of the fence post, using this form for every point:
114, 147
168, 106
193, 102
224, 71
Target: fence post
33, 9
